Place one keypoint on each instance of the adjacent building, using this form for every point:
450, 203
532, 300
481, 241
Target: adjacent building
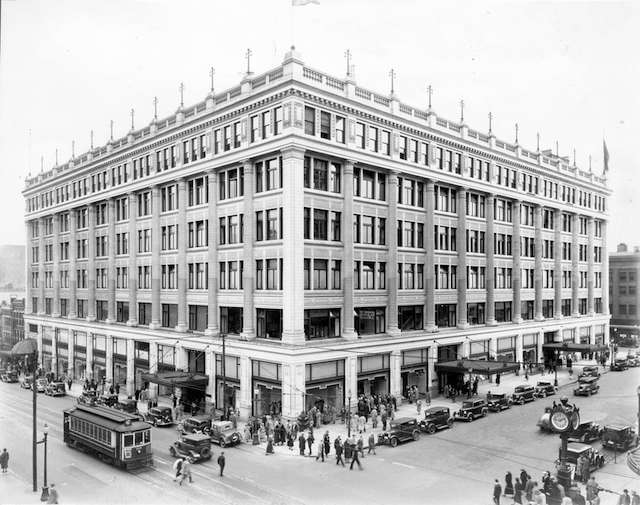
624, 269
11, 324
343, 241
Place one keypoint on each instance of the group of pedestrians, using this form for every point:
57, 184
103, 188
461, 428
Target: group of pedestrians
182, 468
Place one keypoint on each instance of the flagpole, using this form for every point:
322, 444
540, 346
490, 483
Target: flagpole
291, 24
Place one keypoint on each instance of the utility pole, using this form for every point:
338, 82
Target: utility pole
34, 448
224, 377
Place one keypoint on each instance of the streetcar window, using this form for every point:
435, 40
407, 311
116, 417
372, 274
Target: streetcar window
138, 437
128, 440
147, 436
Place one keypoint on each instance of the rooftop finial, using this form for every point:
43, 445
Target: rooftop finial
111, 127
73, 149
392, 75
155, 108
516, 133
589, 163
248, 57
574, 157
56, 156
557, 149
538, 141
429, 93
92, 140
462, 111
212, 72
347, 55
490, 123
181, 94
133, 112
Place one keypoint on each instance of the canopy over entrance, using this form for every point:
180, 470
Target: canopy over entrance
477, 366
178, 379
573, 347
25, 346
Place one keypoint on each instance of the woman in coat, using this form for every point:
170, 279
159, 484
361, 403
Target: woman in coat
517, 492
508, 484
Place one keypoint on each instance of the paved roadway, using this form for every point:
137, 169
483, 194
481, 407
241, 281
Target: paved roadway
452, 466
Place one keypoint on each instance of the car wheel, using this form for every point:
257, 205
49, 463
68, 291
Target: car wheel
449, 423
431, 428
483, 413
416, 435
393, 442
155, 423
205, 453
172, 451
469, 417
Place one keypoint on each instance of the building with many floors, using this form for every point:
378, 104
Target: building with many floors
624, 271
343, 241
11, 324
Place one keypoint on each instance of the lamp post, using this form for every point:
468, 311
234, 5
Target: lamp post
45, 489
349, 415
555, 369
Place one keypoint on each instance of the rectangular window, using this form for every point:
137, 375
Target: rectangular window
370, 320
309, 120
321, 323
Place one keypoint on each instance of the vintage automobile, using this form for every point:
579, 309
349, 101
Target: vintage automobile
619, 437
402, 429
586, 432
576, 449
26, 383
130, 406
159, 416
197, 446
110, 400
498, 402
55, 389
88, 397
197, 424
523, 393
41, 385
223, 433
436, 418
633, 359
544, 389
589, 371
619, 362
587, 386
8, 376
471, 409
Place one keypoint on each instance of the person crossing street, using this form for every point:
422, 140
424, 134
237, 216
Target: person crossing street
221, 463
338, 448
372, 444
355, 459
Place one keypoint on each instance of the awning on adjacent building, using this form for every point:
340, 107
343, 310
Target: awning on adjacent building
25, 346
177, 379
574, 347
477, 366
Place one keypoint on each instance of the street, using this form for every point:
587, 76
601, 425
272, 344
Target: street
469, 456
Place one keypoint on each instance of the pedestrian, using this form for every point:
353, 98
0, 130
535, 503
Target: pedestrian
4, 460
624, 499
635, 498
497, 379
327, 443
419, 406
320, 453
360, 446
475, 386
524, 477
338, 448
508, 484
53, 494
177, 468
302, 443
355, 459
222, 462
372, 444
117, 389
517, 491
310, 441
269, 446
497, 491
384, 419
186, 471
290, 441
69, 383
528, 488
592, 488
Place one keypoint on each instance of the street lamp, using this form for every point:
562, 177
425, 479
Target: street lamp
555, 369
349, 415
45, 489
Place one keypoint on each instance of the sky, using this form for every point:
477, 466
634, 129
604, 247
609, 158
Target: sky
565, 69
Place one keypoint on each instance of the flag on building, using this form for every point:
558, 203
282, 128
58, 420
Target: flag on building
606, 156
298, 3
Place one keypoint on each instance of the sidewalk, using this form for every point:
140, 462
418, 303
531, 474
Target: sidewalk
16, 491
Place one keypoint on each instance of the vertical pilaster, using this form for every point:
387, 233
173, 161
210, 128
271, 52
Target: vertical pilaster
132, 267
91, 263
537, 275
56, 265
519, 348
108, 342
490, 270
575, 272
28, 305
293, 389
348, 330
293, 238
392, 264
248, 275
429, 283
71, 343
153, 367
351, 381
41, 270
89, 368
156, 233
73, 254
590, 269
54, 351
557, 264
432, 375
183, 310
605, 274
245, 387
395, 381
111, 264
516, 280
212, 258
131, 372
461, 246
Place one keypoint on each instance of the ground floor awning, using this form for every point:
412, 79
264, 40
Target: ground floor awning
25, 346
477, 366
177, 379
574, 347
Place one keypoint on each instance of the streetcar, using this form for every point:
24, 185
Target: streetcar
113, 436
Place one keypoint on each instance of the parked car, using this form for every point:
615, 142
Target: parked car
587, 386
619, 437
55, 389
436, 418
159, 416
197, 424
586, 432
26, 383
633, 359
8, 376
41, 385
619, 362
110, 400
544, 389
589, 371
223, 433
471, 409
88, 397
400, 430
576, 449
523, 393
197, 446
498, 402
